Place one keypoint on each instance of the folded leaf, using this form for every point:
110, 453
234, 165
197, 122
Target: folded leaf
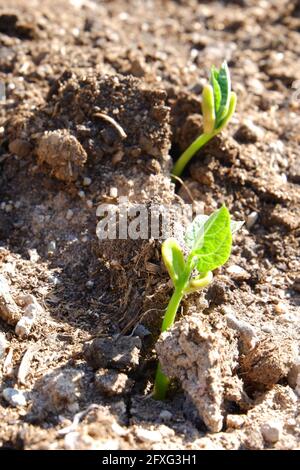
230, 111
225, 87
199, 282
173, 258
216, 88
208, 109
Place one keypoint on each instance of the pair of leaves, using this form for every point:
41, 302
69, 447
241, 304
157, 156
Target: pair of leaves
209, 239
221, 84
218, 101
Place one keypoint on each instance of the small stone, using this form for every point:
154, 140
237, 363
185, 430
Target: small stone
267, 329
235, 421
249, 133
246, 331
8, 207
147, 435
33, 255
14, 397
165, 415
280, 308
111, 382
69, 214
87, 181
141, 331
113, 192
51, 247
81, 194
117, 352
53, 280
89, 204
272, 431
238, 273
89, 284
251, 219
3, 345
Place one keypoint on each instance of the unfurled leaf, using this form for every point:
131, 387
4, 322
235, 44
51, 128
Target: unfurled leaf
194, 230
212, 246
173, 258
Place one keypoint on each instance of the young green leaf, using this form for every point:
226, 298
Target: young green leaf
216, 88
173, 258
212, 246
231, 109
225, 87
194, 229
209, 243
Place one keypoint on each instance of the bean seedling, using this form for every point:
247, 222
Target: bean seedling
209, 241
218, 105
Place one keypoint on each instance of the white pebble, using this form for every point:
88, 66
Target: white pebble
69, 214
238, 272
8, 208
89, 284
33, 255
51, 246
14, 397
272, 430
87, 181
280, 308
235, 421
81, 194
89, 204
251, 219
165, 415
147, 435
113, 192
3, 345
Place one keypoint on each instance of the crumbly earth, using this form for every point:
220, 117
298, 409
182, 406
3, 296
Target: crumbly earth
99, 99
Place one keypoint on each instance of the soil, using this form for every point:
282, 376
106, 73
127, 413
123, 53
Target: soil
101, 97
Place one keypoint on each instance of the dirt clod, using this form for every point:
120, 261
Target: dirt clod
269, 361
119, 352
203, 358
63, 153
111, 382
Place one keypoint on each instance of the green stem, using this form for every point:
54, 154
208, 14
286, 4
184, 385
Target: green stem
161, 380
190, 152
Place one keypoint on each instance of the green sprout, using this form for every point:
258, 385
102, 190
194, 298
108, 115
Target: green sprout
218, 106
209, 241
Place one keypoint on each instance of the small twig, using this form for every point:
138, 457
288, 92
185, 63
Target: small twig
25, 363
185, 186
76, 420
114, 123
